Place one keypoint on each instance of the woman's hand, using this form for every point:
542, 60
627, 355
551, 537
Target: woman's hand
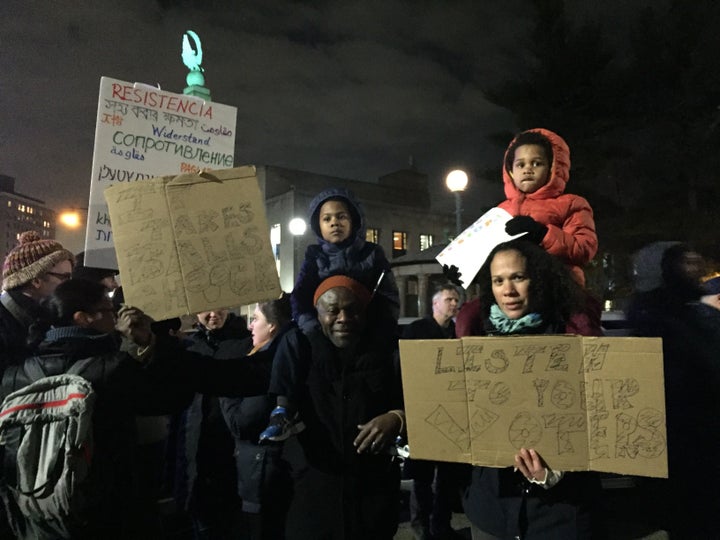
531, 465
377, 434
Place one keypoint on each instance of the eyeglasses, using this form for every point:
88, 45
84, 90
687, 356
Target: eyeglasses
64, 276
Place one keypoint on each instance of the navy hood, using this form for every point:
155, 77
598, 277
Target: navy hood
356, 213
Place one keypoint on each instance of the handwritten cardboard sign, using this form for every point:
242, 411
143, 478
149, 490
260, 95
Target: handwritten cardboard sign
584, 403
193, 243
470, 249
143, 132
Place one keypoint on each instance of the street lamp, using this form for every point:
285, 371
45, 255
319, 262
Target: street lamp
456, 182
70, 229
71, 219
297, 226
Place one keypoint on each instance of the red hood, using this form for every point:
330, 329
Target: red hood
559, 172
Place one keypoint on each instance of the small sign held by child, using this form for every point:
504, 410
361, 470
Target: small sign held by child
470, 249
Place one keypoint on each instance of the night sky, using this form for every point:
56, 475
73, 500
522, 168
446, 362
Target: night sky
349, 89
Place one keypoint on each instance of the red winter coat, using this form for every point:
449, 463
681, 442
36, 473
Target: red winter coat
569, 218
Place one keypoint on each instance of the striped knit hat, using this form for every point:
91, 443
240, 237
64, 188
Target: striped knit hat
31, 258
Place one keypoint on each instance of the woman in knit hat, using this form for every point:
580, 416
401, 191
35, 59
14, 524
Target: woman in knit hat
31, 271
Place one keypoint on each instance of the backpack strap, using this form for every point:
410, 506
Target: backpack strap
15, 310
34, 369
31, 370
78, 367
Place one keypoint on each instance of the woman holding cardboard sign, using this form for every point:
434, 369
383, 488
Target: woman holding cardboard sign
524, 290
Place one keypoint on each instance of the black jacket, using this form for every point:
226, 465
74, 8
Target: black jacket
17, 312
124, 389
204, 443
356, 495
261, 475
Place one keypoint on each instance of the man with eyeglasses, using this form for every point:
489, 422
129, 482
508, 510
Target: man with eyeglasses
31, 271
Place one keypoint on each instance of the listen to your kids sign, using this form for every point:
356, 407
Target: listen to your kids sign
143, 132
584, 403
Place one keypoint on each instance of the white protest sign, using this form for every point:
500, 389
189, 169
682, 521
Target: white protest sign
470, 249
143, 132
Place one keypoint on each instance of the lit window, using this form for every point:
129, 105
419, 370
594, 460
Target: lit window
399, 243
426, 241
372, 235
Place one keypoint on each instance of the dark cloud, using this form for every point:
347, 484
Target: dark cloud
350, 89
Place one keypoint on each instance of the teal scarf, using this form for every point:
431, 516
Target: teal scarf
504, 325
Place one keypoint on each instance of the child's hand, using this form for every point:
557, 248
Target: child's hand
452, 273
535, 230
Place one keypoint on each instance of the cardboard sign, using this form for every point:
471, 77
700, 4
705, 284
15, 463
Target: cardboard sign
470, 249
584, 403
143, 132
193, 243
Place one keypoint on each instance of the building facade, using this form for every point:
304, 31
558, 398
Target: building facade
20, 213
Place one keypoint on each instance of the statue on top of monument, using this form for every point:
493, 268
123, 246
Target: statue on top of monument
192, 58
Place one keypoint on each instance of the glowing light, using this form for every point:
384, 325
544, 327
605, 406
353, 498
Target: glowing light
297, 226
457, 180
71, 219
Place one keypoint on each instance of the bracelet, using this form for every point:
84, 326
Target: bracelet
401, 415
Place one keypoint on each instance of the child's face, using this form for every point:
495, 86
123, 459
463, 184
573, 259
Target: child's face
335, 222
530, 168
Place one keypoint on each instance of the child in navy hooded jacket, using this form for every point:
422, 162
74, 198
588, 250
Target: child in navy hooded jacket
337, 219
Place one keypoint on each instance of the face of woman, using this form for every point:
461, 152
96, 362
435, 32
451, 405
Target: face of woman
262, 331
510, 283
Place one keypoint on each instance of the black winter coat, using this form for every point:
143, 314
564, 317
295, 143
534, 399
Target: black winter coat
17, 313
124, 389
202, 433
339, 493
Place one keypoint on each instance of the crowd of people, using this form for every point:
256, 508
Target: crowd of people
287, 427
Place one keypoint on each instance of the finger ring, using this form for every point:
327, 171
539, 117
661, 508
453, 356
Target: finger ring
374, 444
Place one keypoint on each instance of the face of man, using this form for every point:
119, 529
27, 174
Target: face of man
341, 316
103, 317
445, 306
213, 320
45, 285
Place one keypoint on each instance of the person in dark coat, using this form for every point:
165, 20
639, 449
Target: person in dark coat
337, 219
31, 271
681, 268
263, 479
105, 276
80, 323
346, 485
687, 502
524, 290
431, 510
206, 483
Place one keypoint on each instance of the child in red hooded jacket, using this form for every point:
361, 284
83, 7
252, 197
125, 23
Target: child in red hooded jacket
535, 173
536, 170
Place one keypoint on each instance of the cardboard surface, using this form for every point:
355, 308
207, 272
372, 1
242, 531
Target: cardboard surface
143, 132
583, 403
193, 243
